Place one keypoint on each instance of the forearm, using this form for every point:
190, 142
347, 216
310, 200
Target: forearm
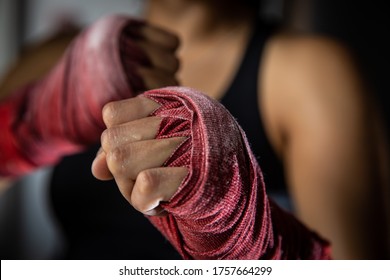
35, 61
337, 187
60, 114
4, 184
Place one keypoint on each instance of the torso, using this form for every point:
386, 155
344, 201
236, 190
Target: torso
244, 99
211, 66
97, 220
230, 73
228, 69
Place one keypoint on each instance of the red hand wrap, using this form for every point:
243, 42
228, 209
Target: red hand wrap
61, 113
221, 210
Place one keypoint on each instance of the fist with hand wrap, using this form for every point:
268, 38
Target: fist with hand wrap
181, 158
115, 58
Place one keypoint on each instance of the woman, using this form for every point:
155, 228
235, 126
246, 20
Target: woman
312, 129
308, 113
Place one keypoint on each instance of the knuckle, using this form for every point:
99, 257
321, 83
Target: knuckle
104, 139
110, 136
116, 159
139, 205
173, 40
176, 63
109, 112
146, 183
173, 64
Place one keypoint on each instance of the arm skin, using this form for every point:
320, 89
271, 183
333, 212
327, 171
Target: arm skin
33, 63
321, 121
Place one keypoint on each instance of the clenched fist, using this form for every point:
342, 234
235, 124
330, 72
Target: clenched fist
131, 154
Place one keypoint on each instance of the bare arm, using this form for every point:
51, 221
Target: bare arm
33, 63
318, 115
4, 184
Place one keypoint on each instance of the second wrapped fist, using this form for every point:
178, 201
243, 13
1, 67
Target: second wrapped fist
115, 58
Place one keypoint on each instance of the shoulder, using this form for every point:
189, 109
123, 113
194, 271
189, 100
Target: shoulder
306, 45
309, 81
308, 59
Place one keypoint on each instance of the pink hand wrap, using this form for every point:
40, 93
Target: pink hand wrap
61, 113
221, 210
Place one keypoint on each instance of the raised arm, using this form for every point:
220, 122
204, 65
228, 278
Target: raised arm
321, 119
114, 58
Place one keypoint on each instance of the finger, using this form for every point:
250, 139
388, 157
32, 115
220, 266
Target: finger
128, 161
125, 186
153, 186
99, 167
159, 57
138, 130
156, 78
159, 36
118, 112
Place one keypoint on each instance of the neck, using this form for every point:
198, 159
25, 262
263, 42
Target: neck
198, 18
213, 35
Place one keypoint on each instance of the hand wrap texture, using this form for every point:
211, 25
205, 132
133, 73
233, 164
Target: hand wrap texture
221, 210
61, 113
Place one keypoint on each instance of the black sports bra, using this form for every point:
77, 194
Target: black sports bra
241, 100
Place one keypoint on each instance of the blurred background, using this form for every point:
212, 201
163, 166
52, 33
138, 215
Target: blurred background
27, 228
